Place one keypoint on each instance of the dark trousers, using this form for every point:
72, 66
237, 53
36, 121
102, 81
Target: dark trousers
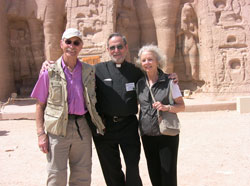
124, 135
161, 154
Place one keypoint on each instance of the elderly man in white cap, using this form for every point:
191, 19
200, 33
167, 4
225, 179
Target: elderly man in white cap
66, 100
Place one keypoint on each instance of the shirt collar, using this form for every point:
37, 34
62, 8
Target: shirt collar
121, 64
78, 64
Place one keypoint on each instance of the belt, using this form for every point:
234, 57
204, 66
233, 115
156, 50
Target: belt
75, 117
116, 119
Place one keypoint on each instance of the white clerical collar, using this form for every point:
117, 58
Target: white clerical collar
118, 65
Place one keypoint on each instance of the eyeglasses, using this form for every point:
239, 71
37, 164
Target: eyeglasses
119, 47
76, 43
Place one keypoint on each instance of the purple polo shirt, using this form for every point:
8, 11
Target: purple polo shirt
76, 103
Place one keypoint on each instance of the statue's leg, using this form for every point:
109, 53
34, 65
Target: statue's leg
165, 13
54, 25
146, 23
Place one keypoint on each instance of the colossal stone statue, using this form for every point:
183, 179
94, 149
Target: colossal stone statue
158, 23
127, 24
53, 24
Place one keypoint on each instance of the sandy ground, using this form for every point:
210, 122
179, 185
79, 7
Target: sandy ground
214, 151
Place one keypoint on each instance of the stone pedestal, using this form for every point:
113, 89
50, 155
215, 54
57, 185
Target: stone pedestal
243, 104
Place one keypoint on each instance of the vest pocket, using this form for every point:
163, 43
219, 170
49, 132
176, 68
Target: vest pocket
55, 95
51, 118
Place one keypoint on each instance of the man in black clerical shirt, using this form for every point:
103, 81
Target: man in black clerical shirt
117, 104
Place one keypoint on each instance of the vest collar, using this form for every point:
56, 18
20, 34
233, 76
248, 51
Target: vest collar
86, 71
161, 76
58, 68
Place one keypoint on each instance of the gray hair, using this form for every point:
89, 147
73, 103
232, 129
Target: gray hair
160, 57
116, 34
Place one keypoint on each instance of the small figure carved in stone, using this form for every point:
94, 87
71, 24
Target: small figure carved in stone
189, 33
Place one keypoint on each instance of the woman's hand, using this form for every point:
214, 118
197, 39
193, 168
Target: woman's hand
159, 106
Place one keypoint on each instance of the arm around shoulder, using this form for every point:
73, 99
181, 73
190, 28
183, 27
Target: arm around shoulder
179, 105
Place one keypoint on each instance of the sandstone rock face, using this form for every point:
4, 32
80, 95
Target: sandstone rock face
206, 42
6, 69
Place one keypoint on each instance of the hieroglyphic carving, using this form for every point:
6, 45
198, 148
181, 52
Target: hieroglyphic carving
227, 12
231, 14
231, 66
89, 16
230, 45
232, 38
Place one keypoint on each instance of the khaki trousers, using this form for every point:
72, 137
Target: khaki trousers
73, 151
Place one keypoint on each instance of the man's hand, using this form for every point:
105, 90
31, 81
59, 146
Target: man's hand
43, 143
45, 66
174, 77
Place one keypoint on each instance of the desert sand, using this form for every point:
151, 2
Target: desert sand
214, 150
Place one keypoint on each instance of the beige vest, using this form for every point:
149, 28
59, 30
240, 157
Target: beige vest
56, 112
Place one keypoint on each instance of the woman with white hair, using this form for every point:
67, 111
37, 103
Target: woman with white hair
160, 150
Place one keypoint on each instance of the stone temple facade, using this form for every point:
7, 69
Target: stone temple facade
206, 42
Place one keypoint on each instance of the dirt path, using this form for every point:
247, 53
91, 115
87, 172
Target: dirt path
214, 151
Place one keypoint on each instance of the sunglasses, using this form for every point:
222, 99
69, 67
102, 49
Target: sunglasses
119, 47
76, 43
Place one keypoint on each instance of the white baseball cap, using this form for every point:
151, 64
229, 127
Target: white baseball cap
71, 32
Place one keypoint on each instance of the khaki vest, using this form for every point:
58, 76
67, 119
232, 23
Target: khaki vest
56, 112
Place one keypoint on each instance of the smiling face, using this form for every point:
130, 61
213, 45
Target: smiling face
117, 49
71, 47
149, 62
